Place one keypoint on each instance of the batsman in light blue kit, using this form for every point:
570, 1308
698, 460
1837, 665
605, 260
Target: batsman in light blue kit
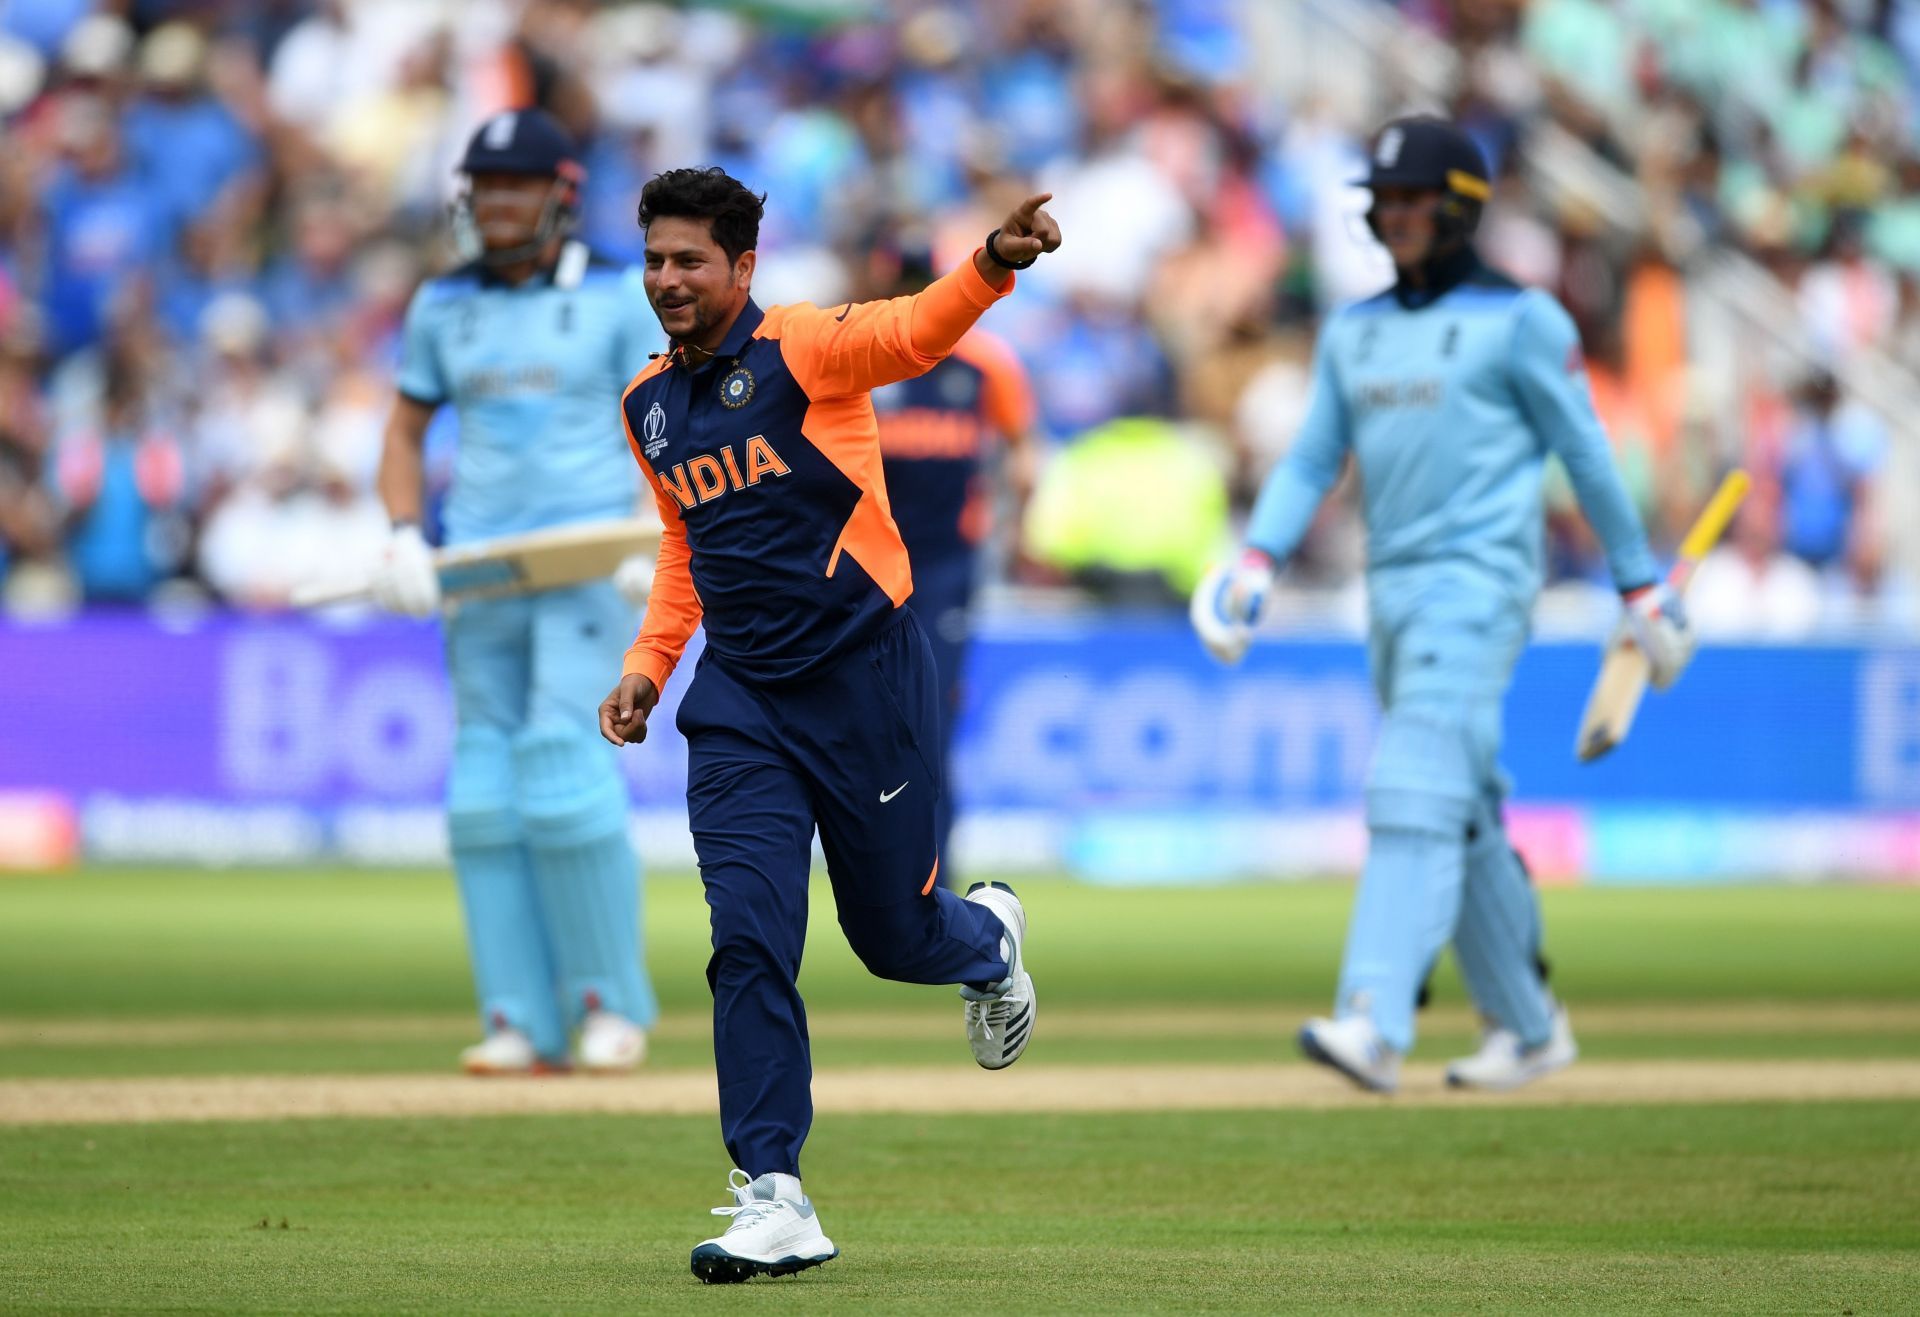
1448, 392
531, 343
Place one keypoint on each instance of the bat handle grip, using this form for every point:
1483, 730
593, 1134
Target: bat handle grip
1710, 526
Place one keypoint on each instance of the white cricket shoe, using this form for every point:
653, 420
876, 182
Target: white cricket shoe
1502, 1063
506, 1052
609, 1044
1000, 1021
775, 1232
1355, 1048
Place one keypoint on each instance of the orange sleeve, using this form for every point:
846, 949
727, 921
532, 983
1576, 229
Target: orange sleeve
673, 607
1006, 394
870, 344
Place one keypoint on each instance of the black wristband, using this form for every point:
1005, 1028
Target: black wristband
993, 254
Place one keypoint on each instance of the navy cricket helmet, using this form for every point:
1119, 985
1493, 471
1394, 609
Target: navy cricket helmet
530, 142
1428, 152
520, 142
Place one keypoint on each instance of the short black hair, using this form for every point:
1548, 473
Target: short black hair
710, 194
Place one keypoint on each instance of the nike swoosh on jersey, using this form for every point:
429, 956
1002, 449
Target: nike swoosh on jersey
885, 796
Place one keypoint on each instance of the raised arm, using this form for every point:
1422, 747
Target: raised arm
865, 345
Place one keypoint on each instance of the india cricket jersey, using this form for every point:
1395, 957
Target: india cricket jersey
533, 370
1450, 406
765, 463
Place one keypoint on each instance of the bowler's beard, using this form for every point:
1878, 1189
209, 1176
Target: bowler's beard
704, 319
706, 316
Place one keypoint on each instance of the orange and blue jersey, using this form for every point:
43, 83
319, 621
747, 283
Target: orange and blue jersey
765, 463
935, 432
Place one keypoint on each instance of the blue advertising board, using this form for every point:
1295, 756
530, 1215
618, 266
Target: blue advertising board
1113, 747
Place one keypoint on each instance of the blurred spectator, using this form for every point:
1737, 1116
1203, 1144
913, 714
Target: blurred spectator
1848, 301
1749, 587
306, 288
1103, 362
1134, 511
105, 229
121, 483
28, 531
220, 211
196, 158
1833, 452
248, 416
296, 520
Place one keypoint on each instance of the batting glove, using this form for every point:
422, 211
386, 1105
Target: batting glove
633, 578
1228, 602
1661, 630
406, 581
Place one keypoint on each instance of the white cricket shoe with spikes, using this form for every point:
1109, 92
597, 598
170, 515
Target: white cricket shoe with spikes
1000, 1020
1355, 1048
609, 1044
1502, 1063
774, 1232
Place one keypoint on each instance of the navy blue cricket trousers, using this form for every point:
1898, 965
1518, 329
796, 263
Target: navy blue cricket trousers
942, 597
854, 751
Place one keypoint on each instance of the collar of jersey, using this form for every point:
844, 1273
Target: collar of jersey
733, 344
1443, 276
540, 278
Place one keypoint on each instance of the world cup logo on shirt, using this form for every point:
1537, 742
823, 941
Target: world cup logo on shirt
736, 390
655, 427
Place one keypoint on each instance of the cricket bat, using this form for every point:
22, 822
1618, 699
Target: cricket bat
1623, 674
514, 564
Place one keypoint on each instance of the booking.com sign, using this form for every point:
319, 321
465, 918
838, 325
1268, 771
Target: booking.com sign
1064, 733
301, 716
1061, 716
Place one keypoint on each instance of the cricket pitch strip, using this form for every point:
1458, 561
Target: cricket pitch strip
921, 1090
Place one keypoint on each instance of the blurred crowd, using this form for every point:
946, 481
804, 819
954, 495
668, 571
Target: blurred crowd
212, 214
1781, 129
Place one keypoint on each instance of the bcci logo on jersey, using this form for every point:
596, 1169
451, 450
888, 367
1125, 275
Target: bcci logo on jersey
736, 390
655, 428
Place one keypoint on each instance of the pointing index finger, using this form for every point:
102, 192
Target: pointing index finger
1031, 205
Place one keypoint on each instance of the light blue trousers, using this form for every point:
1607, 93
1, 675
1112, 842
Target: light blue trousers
1439, 866
537, 813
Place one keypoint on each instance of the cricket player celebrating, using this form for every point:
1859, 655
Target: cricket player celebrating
815, 702
530, 343
1449, 391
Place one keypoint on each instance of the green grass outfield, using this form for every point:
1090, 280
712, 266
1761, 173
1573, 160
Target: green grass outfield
1750, 1207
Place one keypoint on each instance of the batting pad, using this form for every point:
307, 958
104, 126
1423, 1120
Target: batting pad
506, 936
1497, 941
574, 808
1423, 777
1420, 798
